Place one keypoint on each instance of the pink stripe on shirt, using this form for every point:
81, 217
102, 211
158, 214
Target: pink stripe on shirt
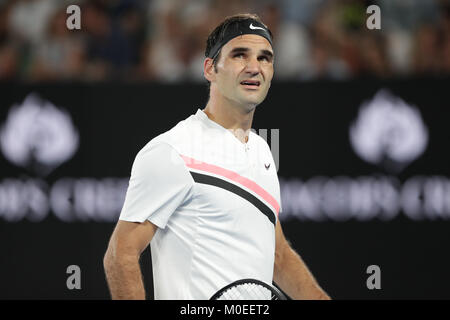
249, 184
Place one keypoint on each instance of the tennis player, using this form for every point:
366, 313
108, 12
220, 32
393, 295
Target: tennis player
205, 194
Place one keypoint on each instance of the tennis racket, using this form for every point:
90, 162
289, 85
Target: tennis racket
248, 289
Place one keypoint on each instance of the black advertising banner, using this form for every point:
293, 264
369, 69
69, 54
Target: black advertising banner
363, 166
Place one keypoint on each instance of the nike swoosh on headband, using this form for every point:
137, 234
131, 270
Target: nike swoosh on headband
254, 28
238, 29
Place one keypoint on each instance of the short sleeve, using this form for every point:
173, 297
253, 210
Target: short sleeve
159, 184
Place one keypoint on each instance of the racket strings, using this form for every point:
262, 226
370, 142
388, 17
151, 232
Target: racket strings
248, 291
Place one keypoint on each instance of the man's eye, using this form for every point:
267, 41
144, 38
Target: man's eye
264, 58
238, 55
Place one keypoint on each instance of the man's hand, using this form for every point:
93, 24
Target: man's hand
121, 261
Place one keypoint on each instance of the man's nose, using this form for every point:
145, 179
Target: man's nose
253, 66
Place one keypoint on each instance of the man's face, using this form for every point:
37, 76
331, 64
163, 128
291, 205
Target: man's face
245, 70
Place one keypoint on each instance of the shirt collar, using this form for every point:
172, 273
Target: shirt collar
200, 114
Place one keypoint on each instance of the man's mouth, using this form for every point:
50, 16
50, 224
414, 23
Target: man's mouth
250, 83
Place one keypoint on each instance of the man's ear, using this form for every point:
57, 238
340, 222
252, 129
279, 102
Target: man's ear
208, 70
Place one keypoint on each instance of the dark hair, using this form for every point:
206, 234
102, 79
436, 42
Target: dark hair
219, 32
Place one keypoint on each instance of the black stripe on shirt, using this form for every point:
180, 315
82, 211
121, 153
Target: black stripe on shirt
217, 182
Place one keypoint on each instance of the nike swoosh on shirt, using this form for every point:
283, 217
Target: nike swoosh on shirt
254, 28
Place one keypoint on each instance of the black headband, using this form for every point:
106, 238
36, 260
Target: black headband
240, 28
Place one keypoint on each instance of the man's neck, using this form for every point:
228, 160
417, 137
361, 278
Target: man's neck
233, 118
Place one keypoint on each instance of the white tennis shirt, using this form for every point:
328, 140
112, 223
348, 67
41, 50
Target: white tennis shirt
215, 201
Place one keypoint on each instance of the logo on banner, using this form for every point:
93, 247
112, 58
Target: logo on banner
38, 135
389, 132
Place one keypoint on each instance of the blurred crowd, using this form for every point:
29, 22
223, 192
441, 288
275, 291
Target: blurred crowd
164, 40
